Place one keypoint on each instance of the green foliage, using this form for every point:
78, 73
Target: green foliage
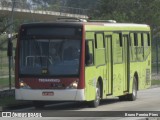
5, 101
85, 4
3, 24
155, 82
137, 11
9, 101
131, 11
4, 82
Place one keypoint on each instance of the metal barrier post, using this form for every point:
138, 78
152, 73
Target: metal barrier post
9, 52
10, 45
157, 55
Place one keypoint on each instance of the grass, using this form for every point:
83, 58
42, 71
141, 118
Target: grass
3, 55
155, 82
4, 82
10, 101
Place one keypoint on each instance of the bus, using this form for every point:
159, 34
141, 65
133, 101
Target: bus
82, 61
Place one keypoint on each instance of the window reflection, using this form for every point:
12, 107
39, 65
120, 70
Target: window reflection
60, 57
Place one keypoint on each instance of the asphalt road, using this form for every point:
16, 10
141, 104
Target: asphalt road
148, 100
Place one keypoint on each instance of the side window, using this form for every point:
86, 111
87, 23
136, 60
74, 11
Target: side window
89, 53
99, 40
99, 49
132, 39
142, 46
146, 39
142, 40
139, 49
139, 39
146, 44
133, 44
117, 44
135, 39
120, 39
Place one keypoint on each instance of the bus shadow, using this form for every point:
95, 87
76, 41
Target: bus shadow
109, 101
77, 105
66, 106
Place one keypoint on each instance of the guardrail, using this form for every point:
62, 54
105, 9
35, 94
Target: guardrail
45, 8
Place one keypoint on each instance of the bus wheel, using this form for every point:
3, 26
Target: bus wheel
123, 98
133, 95
38, 104
96, 102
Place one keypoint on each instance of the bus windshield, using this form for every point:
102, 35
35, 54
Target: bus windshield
51, 57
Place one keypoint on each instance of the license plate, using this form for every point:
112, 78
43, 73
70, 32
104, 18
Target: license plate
47, 93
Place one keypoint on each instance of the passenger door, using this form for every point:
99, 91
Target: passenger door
109, 64
126, 60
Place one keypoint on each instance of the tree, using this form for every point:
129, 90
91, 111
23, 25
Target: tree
3, 24
71, 4
137, 11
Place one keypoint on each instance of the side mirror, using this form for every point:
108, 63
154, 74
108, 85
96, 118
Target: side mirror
10, 48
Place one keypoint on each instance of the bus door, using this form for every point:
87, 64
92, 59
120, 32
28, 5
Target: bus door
126, 60
109, 63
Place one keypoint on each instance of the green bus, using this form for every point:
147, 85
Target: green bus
82, 61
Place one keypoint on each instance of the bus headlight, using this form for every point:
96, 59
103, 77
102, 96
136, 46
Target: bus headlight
23, 85
73, 85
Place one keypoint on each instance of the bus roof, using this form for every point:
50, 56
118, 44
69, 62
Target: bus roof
52, 23
94, 25
117, 26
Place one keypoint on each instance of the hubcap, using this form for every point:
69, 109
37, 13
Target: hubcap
98, 95
134, 90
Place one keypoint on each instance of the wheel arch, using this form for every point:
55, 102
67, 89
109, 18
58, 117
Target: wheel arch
137, 79
101, 86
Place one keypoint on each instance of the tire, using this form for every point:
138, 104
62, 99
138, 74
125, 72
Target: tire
38, 104
95, 103
123, 98
133, 95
